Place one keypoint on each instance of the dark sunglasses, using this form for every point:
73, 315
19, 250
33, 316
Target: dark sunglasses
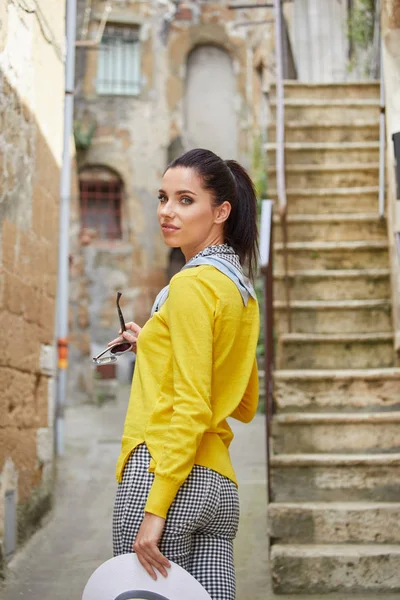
117, 349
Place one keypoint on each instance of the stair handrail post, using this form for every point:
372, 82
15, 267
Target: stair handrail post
266, 266
280, 147
382, 139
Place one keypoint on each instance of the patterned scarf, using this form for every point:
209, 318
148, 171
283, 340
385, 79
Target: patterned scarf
224, 251
222, 257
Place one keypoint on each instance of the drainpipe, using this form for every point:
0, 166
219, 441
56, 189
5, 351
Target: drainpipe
63, 244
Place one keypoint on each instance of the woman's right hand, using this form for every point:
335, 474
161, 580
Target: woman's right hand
130, 335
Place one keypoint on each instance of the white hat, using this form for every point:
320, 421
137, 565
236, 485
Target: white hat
123, 578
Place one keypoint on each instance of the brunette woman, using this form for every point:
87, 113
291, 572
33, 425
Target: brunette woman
177, 496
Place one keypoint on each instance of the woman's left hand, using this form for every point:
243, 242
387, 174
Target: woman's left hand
146, 545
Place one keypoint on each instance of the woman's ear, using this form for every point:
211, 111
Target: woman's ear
222, 212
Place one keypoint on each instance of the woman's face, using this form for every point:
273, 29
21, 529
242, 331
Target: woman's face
187, 217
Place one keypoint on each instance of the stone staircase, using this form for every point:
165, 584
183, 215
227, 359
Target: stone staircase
334, 514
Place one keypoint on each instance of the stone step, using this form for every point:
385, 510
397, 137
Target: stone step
334, 316
339, 227
330, 200
332, 255
351, 89
364, 390
324, 131
335, 351
335, 477
334, 522
322, 176
335, 111
326, 153
348, 284
318, 569
307, 433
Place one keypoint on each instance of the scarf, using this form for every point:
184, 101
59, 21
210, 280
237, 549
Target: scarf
223, 258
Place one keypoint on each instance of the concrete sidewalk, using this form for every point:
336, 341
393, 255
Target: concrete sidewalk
58, 560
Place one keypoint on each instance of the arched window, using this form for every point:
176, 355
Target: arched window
101, 192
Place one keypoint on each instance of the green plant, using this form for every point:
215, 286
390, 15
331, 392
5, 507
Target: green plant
259, 176
360, 24
83, 134
259, 171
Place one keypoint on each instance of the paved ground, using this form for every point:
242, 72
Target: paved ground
58, 560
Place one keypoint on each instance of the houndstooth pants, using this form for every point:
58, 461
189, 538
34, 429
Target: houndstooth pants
200, 526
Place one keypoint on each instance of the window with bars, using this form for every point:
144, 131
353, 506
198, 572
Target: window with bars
100, 202
118, 67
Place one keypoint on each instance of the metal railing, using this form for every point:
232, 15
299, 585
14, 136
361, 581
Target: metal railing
280, 147
266, 265
266, 240
382, 142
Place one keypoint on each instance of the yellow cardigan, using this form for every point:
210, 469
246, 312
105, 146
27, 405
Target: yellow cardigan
195, 367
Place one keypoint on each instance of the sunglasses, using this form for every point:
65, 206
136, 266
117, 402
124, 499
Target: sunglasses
117, 349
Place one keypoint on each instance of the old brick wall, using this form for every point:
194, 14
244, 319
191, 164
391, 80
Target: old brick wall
135, 136
30, 156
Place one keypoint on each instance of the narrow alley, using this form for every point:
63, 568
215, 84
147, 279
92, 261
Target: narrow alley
140, 135
58, 560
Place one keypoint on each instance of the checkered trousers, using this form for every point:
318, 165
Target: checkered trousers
200, 526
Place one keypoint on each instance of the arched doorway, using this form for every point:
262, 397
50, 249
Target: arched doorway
210, 102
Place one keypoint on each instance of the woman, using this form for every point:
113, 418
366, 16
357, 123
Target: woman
177, 497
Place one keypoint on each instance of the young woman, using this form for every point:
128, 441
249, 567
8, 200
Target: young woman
177, 496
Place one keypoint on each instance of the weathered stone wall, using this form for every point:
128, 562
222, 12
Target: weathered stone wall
31, 128
136, 136
80, 375
391, 56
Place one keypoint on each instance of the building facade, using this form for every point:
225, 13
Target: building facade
31, 133
153, 79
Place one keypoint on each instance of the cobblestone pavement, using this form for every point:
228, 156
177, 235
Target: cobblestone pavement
58, 560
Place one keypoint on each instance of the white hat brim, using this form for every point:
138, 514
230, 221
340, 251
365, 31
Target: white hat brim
124, 573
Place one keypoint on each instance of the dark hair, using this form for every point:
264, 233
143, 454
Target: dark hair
229, 182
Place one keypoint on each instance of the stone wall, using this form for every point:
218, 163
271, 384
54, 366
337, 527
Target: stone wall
391, 57
31, 129
136, 137
80, 375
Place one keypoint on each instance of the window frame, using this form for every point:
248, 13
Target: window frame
113, 198
133, 85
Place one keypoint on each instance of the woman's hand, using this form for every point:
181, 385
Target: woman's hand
130, 335
146, 545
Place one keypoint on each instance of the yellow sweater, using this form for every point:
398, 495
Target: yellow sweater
195, 367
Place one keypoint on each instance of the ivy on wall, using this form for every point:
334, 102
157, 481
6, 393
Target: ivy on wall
362, 35
259, 177
83, 134
361, 23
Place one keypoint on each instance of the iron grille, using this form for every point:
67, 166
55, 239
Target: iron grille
118, 67
101, 207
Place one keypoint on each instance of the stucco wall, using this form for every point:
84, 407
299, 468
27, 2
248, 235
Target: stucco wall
31, 130
320, 45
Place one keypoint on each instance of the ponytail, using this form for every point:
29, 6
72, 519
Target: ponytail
229, 182
241, 227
